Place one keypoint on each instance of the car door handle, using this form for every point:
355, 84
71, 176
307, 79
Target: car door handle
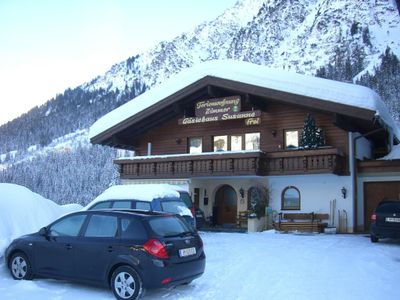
110, 249
68, 246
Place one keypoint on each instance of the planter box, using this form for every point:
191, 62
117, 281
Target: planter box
255, 224
330, 230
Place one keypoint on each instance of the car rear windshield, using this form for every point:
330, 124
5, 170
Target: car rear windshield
168, 226
389, 207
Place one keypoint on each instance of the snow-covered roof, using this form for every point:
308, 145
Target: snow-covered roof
143, 192
285, 81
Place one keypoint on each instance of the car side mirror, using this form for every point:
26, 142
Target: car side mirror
43, 231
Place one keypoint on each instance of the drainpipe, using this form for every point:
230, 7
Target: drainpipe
352, 167
148, 149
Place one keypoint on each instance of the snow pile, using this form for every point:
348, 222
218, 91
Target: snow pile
394, 154
143, 192
318, 88
23, 212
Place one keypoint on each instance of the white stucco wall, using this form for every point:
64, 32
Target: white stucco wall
316, 192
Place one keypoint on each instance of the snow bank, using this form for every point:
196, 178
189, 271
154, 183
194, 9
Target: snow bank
319, 88
143, 192
23, 212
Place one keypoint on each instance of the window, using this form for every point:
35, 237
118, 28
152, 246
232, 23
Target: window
290, 198
169, 226
69, 226
175, 207
143, 205
195, 145
132, 229
122, 204
102, 226
236, 143
220, 143
291, 139
102, 205
252, 141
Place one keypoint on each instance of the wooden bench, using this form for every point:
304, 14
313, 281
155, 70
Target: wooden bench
303, 222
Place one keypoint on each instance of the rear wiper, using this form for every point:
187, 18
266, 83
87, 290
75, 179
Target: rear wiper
182, 234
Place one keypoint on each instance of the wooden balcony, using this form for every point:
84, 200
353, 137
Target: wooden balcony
295, 162
233, 164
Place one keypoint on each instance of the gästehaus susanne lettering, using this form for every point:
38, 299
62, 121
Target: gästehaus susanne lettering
220, 117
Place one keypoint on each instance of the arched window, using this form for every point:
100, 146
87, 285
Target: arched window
290, 198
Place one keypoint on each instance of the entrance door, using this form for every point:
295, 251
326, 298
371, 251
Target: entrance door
375, 192
226, 200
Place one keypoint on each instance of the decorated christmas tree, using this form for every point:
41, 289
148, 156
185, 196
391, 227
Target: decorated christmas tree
312, 137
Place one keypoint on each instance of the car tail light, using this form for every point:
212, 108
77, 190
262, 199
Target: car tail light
193, 212
200, 242
156, 248
373, 217
166, 280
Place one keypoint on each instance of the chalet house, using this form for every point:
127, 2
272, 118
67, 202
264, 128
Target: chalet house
224, 128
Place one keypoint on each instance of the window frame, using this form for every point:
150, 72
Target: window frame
82, 228
283, 207
86, 225
299, 130
243, 142
188, 144
259, 141
227, 142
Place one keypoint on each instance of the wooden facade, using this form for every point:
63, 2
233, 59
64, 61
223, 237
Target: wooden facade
160, 138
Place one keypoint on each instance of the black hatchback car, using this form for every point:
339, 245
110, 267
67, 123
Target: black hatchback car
385, 221
127, 251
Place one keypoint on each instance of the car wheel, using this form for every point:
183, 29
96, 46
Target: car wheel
374, 238
20, 267
126, 283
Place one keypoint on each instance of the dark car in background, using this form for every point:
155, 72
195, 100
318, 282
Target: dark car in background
385, 221
126, 251
149, 197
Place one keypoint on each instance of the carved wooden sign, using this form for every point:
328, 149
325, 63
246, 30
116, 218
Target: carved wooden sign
219, 109
218, 106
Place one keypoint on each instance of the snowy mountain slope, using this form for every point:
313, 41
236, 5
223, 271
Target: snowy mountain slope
299, 35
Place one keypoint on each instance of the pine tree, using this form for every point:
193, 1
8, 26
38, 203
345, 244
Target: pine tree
312, 137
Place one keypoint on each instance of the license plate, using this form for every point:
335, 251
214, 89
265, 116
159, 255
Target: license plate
394, 220
187, 252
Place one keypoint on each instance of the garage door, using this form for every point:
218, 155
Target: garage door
375, 192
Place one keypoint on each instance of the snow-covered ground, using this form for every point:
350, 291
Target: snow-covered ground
264, 265
261, 266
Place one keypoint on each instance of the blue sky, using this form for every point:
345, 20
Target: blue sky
47, 46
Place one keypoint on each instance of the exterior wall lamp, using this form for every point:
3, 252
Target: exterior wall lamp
344, 192
241, 192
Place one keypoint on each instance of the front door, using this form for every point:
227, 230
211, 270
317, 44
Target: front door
226, 200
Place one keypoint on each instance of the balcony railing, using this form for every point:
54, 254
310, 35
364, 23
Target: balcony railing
255, 163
